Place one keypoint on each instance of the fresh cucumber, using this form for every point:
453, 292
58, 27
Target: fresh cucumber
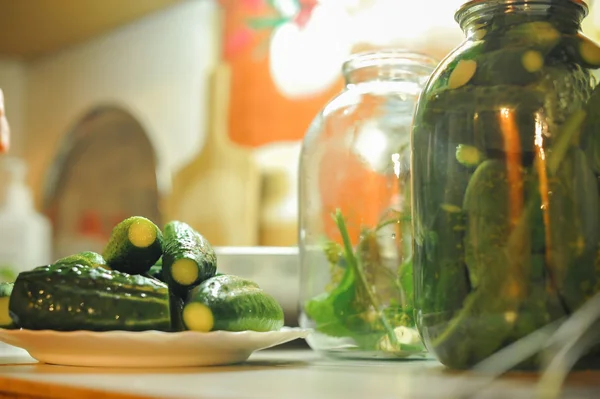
574, 222
79, 297
231, 303
87, 258
176, 304
5, 319
486, 202
134, 246
188, 258
582, 50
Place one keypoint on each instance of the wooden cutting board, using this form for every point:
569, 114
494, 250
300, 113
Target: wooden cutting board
218, 192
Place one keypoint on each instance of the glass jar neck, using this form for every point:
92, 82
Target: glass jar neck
566, 15
388, 66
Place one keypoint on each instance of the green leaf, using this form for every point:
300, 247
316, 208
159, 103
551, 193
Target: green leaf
330, 310
406, 281
354, 263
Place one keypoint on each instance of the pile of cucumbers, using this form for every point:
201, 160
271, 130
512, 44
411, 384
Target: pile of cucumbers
145, 279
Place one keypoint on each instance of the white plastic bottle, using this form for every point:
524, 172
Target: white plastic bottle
25, 235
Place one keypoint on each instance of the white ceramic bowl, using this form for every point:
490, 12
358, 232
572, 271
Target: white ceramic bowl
275, 269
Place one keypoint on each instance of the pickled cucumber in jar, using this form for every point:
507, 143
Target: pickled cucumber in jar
506, 168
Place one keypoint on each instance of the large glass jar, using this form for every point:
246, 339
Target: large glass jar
354, 211
505, 163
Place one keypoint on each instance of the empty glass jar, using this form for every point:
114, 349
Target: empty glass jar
505, 163
354, 199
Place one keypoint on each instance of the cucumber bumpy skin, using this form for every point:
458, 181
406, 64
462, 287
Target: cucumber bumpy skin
6, 321
87, 258
79, 297
176, 304
188, 258
231, 303
582, 50
134, 246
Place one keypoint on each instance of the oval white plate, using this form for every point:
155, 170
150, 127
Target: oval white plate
147, 348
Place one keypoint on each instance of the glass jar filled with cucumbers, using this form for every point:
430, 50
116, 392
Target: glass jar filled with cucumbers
355, 233
505, 166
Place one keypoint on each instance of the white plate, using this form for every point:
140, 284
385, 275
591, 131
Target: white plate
147, 348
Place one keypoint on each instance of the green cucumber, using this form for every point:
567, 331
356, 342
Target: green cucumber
176, 304
486, 202
582, 50
573, 212
462, 74
540, 34
79, 297
188, 258
469, 155
231, 303
509, 66
483, 98
87, 258
134, 246
590, 129
5, 319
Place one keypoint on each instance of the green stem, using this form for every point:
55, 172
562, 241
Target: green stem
571, 129
392, 221
354, 264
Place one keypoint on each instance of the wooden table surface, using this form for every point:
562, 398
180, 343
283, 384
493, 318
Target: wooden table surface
274, 373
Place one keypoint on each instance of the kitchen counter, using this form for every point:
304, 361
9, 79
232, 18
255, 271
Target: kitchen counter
274, 373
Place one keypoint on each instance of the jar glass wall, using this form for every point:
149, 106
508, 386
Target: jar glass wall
354, 217
505, 162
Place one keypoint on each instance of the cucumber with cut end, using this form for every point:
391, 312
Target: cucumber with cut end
87, 258
509, 66
134, 246
5, 319
462, 73
469, 155
541, 34
486, 202
188, 258
483, 98
231, 303
79, 297
582, 50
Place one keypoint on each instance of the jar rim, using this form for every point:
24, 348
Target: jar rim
388, 57
463, 11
